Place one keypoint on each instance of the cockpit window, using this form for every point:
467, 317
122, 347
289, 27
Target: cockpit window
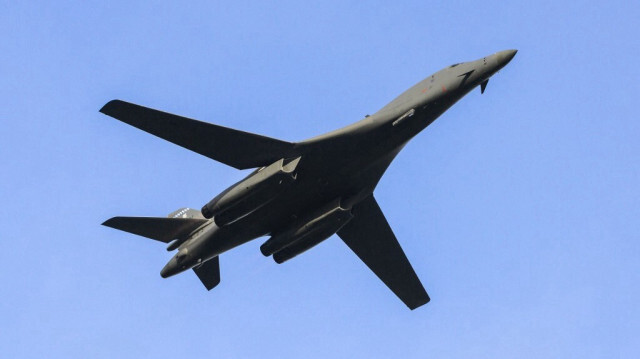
454, 65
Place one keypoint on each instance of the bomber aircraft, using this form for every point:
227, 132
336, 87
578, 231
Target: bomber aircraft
301, 193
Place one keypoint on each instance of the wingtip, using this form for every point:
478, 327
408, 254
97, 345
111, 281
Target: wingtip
106, 109
419, 304
109, 221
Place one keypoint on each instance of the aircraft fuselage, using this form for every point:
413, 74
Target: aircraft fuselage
348, 165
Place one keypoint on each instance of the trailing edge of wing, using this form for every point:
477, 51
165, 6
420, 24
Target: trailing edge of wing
161, 229
232, 147
369, 236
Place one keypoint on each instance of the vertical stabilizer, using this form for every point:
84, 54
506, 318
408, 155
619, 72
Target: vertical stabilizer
209, 272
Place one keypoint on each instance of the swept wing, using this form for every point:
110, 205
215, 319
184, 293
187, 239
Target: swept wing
369, 236
235, 148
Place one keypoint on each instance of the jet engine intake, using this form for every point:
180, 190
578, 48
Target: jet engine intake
299, 238
253, 192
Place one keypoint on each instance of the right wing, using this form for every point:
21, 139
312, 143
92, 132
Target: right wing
235, 148
369, 236
158, 228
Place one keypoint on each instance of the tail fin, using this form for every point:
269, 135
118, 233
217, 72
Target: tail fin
161, 229
209, 272
186, 213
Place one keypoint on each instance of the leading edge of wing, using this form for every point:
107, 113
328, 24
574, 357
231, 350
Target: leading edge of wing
370, 237
235, 148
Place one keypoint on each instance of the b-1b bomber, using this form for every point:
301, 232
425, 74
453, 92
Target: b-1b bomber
301, 193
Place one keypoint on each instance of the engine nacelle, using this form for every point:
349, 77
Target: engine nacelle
253, 192
300, 238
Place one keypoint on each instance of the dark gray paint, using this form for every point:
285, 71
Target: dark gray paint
335, 173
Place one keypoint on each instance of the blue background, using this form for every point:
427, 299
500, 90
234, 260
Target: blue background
518, 209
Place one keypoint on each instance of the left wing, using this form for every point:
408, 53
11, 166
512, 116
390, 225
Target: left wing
369, 236
235, 148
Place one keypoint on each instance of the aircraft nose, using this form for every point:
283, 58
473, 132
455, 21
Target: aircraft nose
503, 57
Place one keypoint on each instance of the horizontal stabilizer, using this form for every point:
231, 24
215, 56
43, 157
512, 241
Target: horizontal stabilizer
209, 272
232, 147
369, 236
161, 229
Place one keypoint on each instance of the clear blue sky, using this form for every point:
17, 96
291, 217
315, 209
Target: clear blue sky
519, 209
